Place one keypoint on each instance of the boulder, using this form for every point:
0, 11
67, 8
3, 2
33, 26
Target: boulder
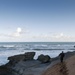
44, 58
15, 59
29, 55
21, 57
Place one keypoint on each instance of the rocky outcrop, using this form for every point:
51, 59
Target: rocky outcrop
24, 64
30, 67
29, 56
22, 57
27, 67
44, 58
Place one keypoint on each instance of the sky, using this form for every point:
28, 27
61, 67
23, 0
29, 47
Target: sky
37, 21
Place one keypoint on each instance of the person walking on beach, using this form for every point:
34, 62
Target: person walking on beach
61, 56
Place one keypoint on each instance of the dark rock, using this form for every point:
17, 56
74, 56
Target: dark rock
4, 70
14, 59
44, 58
27, 56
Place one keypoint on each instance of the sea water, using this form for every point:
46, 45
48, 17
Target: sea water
52, 49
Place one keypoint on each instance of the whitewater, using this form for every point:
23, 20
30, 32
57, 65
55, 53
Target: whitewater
52, 49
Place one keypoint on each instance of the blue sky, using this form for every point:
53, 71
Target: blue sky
37, 20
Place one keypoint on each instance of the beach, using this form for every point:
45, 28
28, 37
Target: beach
35, 67
65, 68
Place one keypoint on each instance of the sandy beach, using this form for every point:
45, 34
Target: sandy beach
65, 68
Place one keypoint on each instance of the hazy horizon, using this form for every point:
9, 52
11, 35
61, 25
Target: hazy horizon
37, 21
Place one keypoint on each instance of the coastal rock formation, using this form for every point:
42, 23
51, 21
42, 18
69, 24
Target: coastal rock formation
24, 64
21, 57
44, 58
29, 56
35, 67
24, 67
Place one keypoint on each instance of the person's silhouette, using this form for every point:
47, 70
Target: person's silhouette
61, 56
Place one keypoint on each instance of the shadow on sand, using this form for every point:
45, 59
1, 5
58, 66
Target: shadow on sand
63, 69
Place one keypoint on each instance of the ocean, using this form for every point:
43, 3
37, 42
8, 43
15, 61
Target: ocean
52, 49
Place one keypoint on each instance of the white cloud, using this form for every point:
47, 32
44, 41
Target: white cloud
23, 35
53, 37
19, 30
17, 33
61, 35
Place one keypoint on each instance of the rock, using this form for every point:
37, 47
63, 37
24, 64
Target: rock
29, 56
44, 58
22, 57
14, 59
4, 70
21, 71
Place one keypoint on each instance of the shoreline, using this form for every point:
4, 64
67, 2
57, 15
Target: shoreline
37, 68
65, 68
